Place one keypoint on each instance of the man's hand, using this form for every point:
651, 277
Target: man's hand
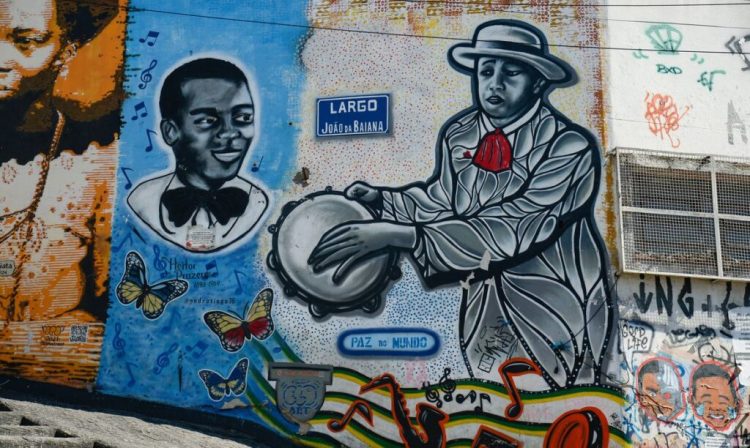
352, 242
362, 192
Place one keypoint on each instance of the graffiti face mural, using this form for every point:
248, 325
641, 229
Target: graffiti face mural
660, 390
208, 119
714, 395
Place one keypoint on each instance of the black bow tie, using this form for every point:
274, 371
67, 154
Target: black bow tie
224, 204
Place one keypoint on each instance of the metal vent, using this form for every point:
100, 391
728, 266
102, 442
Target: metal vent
684, 214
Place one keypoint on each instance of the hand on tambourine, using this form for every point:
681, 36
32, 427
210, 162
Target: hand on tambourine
352, 242
360, 191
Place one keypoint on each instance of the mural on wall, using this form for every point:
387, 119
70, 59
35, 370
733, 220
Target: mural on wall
207, 118
212, 143
683, 374
360, 286
509, 209
60, 97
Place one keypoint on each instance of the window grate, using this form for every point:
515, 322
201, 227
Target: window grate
684, 214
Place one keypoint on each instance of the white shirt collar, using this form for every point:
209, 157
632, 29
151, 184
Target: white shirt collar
513, 126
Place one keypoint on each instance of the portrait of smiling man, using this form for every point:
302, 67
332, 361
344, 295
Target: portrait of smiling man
508, 213
208, 119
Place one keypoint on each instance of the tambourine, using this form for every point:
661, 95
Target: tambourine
295, 235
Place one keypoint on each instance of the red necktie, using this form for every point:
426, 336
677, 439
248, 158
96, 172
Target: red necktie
494, 152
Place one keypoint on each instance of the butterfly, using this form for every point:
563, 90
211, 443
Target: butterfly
151, 299
232, 330
218, 387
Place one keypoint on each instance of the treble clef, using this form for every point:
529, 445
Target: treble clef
447, 385
162, 360
146, 75
431, 394
118, 343
160, 263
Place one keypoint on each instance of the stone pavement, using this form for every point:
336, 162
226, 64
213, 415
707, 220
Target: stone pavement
34, 420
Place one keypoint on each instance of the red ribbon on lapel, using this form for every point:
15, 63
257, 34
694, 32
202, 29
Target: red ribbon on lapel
494, 152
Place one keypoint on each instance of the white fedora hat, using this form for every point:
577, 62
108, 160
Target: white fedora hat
512, 39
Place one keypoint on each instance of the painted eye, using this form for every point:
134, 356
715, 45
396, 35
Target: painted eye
205, 121
486, 72
244, 118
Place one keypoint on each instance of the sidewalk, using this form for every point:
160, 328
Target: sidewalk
29, 419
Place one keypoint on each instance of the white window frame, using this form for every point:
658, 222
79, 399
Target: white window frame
715, 215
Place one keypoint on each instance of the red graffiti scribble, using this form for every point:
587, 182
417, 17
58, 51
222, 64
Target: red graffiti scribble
663, 116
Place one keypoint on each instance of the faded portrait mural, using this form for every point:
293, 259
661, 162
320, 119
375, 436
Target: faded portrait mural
60, 97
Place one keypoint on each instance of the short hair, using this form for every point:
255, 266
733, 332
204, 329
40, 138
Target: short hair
653, 366
80, 20
710, 370
170, 98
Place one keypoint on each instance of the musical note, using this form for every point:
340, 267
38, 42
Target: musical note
160, 263
139, 108
211, 266
128, 365
237, 275
146, 75
472, 395
510, 369
150, 146
129, 183
150, 38
256, 165
129, 239
197, 350
357, 407
162, 360
118, 343
483, 396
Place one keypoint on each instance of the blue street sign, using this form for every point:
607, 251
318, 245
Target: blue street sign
353, 115
391, 342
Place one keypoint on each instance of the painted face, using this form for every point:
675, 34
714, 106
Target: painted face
506, 88
713, 396
657, 401
214, 130
30, 40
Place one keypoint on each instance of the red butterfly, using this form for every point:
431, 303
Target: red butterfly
232, 330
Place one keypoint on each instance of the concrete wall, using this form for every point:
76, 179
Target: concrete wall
484, 294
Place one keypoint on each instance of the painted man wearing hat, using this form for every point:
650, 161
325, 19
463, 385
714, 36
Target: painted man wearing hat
510, 209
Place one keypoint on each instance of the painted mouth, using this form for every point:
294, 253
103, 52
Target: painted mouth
494, 99
227, 155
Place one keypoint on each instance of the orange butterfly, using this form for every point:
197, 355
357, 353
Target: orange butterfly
232, 330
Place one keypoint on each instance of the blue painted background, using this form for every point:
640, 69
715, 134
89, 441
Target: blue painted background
159, 360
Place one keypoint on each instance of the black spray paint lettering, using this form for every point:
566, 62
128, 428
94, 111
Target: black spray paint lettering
635, 337
735, 123
735, 46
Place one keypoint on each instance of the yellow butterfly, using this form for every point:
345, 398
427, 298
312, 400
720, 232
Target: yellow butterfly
151, 299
